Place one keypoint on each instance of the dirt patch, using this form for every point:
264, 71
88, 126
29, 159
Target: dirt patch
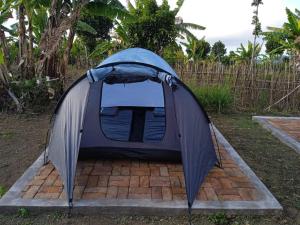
22, 139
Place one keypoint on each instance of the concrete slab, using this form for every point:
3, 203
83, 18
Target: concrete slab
263, 202
286, 129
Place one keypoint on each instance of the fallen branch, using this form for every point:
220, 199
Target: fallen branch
4, 81
284, 97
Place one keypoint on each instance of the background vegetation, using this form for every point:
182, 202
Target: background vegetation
48, 37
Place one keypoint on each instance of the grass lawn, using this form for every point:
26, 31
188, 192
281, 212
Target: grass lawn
278, 166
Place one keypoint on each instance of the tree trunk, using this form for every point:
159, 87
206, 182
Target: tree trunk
22, 42
298, 62
67, 52
4, 72
4, 48
87, 62
253, 60
41, 67
30, 66
58, 23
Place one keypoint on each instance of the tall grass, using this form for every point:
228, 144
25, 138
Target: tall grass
214, 97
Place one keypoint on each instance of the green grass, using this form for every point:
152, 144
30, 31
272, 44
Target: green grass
2, 191
276, 164
219, 219
23, 212
6, 135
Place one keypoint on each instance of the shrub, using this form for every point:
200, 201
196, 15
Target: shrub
214, 97
30, 93
36, 95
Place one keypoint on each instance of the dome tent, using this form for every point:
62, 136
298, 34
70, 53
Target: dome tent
132, 105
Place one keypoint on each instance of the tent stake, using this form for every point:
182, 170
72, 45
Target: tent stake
70, 208
190, 214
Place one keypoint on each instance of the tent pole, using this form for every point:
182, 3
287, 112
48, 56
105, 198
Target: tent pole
218, 146
45, 157
46, 143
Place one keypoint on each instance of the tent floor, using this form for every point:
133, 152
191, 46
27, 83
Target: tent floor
143, 187
286, 129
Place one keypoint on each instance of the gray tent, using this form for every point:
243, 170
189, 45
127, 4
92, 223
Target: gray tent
132, 105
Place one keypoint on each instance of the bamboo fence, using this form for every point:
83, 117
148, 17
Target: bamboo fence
255, 88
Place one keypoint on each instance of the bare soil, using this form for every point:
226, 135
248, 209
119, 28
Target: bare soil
22, 139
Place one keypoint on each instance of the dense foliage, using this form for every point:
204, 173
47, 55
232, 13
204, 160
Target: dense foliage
218, 50
273, 44
99, 31
154, 26
197, 49
48, 35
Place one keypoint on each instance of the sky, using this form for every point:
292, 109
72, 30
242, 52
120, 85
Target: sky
230, 20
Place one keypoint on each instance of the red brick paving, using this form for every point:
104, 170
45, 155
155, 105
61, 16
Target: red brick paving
290, 126
134, 179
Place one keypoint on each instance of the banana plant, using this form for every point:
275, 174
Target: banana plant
244, 53
111, 9
196, 49
5, 14
64, 15
290, 30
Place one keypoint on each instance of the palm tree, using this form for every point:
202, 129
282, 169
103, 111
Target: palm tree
183, 27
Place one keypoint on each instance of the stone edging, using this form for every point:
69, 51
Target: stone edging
280, 134
12, 200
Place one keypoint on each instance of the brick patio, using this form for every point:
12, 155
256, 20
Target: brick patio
286, 129
134, 179
290, 126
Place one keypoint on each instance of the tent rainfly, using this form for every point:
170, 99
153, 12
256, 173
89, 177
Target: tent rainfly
132, 105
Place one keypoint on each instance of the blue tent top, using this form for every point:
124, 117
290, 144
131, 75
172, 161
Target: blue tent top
132, 61
139, 55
